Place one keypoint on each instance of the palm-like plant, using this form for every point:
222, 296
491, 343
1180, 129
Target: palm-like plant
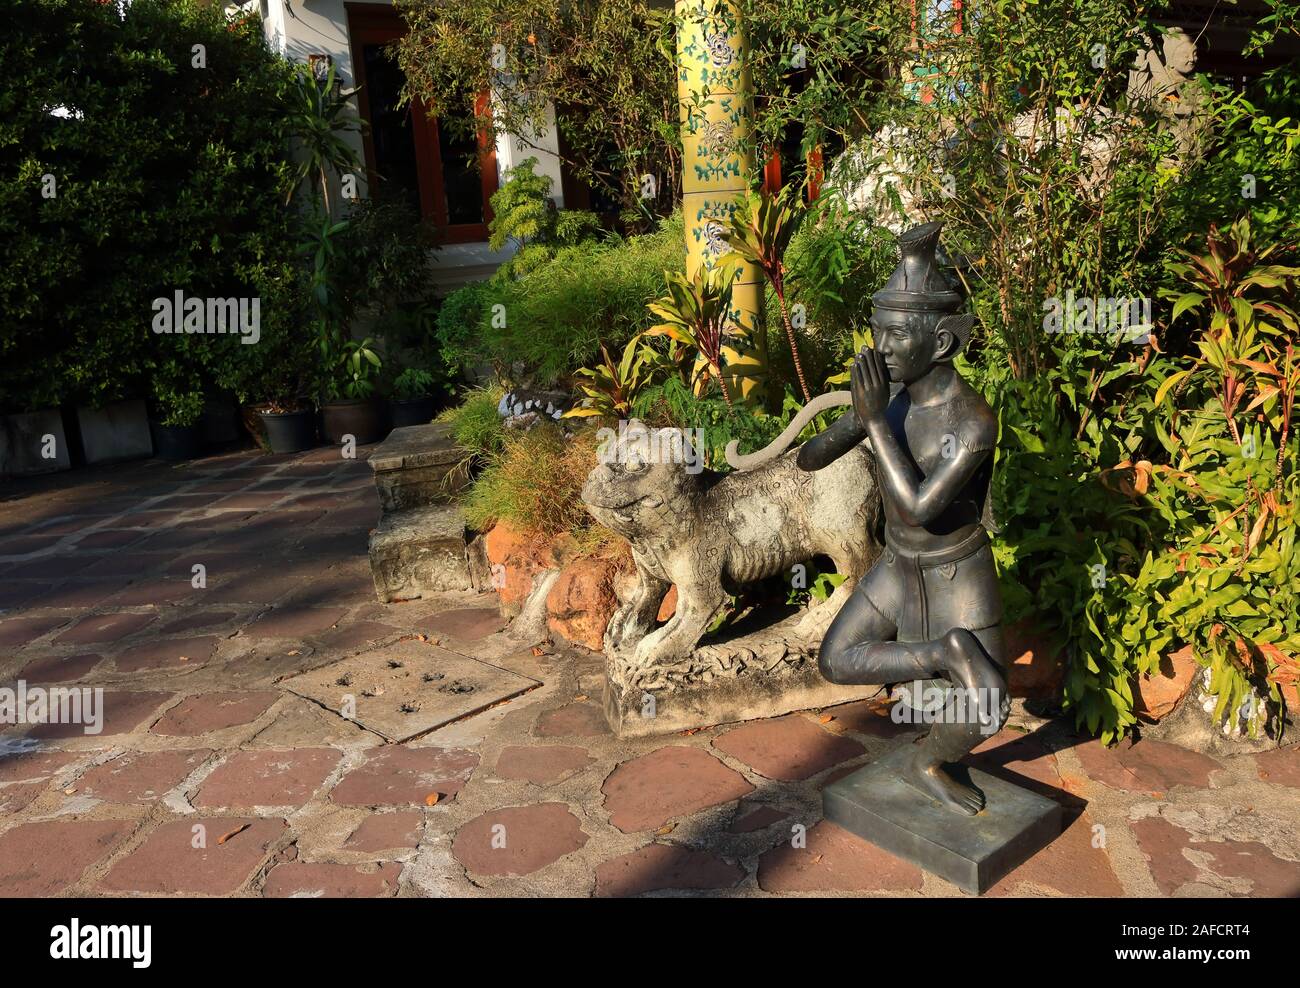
1241, 347
697, 313
760, 231
319, 244
612, 387
320, 115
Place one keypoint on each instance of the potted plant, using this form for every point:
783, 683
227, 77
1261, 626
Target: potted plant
272, 379
412, 401
177, 428
421, 385
176, 409
289, 427
350, 368
350, 407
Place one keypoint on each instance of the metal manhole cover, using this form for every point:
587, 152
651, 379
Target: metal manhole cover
408, 688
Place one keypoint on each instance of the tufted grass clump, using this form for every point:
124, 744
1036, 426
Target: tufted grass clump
475, 424
535, 482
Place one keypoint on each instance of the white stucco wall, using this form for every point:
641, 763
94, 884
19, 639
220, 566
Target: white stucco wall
543, 145
299, 28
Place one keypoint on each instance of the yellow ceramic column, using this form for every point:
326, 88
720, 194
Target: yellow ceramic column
715, 93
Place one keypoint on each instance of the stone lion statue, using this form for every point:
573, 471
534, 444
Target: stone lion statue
710, 533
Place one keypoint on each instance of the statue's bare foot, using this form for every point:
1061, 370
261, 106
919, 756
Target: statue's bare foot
933, 779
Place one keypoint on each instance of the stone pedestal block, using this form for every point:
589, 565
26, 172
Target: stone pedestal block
972, 852
419, 551
32, 442
764, 674
119, 431
417, 465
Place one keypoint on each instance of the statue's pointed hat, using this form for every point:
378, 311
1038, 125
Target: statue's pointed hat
919, 284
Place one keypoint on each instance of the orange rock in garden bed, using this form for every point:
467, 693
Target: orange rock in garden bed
582, 600
1036, 669
1157, 696
521, 555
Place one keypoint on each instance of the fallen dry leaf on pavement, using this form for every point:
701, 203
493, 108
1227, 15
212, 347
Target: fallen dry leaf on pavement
238, 830
432, 799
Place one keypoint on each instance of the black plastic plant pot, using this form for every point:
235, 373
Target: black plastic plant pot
362, 419
177, 442
290, 432
412, 411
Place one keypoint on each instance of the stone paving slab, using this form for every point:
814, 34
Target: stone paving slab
139, 776
659, 867
673, 781
298, 880
518, 840
42, 859
787, 748
397, 776
195, 856
386, 831
251, 779
409, 688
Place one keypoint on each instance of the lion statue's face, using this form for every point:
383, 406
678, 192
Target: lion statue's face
644, 477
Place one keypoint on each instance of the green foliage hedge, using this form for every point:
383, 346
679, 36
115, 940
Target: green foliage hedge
553, 319
168, 177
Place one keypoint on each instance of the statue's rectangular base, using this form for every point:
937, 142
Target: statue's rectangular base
971, 852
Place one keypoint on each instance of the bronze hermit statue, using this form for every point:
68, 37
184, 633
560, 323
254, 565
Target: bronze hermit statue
930, 606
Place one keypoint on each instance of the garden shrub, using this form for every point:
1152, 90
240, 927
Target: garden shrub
535, 482
672, 404
524, 212
382, 255
554, 318
460, 317
601, 71
836, 260
166, 176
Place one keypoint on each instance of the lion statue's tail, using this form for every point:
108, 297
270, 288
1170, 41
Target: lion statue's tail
748, 461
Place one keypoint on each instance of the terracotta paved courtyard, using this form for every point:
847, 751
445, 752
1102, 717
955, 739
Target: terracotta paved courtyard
209, 778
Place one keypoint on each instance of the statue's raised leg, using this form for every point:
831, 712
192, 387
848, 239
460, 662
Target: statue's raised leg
857, 650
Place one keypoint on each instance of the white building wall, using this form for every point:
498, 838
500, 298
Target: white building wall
299, 28
544, 146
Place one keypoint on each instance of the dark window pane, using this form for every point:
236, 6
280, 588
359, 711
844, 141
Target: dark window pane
391, 133
461, 184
